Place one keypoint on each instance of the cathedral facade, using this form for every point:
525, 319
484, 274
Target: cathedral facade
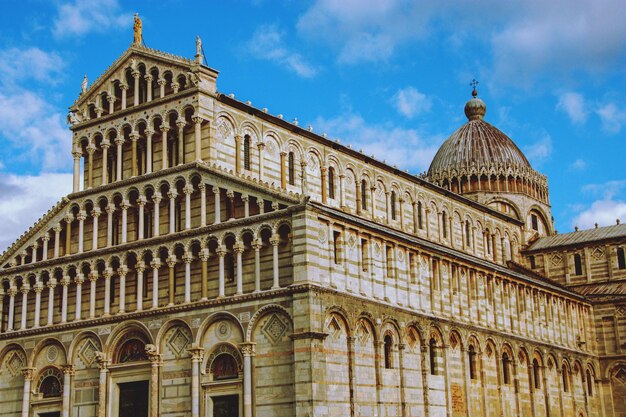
216, 260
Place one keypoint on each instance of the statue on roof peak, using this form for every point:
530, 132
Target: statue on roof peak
137, 29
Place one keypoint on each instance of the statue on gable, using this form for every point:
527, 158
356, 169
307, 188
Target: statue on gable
72, 118
198, 45
137, 29
83, 85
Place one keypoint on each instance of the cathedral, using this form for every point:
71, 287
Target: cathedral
216, 260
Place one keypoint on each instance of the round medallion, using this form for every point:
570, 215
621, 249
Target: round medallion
52, 353
223, 330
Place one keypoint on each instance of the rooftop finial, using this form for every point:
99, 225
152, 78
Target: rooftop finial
198, 49
474, 84
83, 85
137, 29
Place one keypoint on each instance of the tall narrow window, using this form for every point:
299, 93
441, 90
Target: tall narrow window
292, 168
230, 267
533, 262
363, 195
589, 383
536, 374
534, 221
112, 289
468, 233
246, 152
393, 205
419, 215
331, 182
364, 255
621, 260
388, 346
565, 376
444, 225
506, 372
178, 215
336, 246
432, 345
472, 362
389, 261
578, 264
115, 232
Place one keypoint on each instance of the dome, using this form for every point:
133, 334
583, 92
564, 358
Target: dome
477, 144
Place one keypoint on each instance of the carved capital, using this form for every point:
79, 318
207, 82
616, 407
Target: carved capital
275, 240
12, 291
28, 373
221, 251
140, 267
171, 261
65, 281
25, 288
52, 283
188, 189
247, 348
204, 255
155, 264
187, 258
79, 279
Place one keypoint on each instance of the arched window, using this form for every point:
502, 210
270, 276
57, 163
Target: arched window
224, 366
388, 347
331, 182
363, 195
468, 233
589, 383
132, 350
393, 204
419, 215
578, 264
50, 384
432, 350
506, 372
444, 225
246, 152
621, 259
472, 362
565, 376
536, 374
292, 168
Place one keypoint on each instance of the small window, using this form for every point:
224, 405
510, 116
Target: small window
363, 195
419, 215
536, 374
224, 366
506, 372
388, 347
331, 183
578, 264
621, 259
432, 345
534, 222
589, 383
51, 387
472, 362
246, 152
292, 168
444, 225
132, 350
393, 205
532, 261
565, 376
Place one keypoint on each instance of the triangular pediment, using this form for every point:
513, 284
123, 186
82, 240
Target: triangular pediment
139, 59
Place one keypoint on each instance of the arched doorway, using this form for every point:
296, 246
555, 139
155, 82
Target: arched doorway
223, 383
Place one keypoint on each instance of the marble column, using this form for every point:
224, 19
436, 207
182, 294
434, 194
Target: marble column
149, 133
140, 268
257, 245
164, 157
107, 291
204, 258
261, 147
149, 80
12, 293
103, 367
221, 252
24, 290
238, 249
196, 359
283, 170
136, 75
95, 214
157, 201
52, 283
247, 349
121, 272
180, 123
28, 374
38, 288
237, 154
105, 160
93, 278
119, 141
65, 283
172, 223
155, 265
110, 209
124, 205
197, 121
188, 190
161, 83
77, 155
202, 188
187, 259
216, 193
44, 252
246, 205
91, 148
68, 373
57, 237
275, 241
141, 204
79, 287
156, 362
124, 88
171, 263
81, 230
134, 171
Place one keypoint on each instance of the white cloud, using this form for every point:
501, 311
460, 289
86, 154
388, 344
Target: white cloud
612, 117
34, 130
573, 104
267, 43
410, 102
30, 63
410, 150
83, 16
578, 165
26, 199
605, 210
539, 151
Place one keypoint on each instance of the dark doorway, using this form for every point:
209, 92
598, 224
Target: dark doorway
52, 414
134, 399
226, 406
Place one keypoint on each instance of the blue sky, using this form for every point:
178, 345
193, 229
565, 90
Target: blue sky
388, 76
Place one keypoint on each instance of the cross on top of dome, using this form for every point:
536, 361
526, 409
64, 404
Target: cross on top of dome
474, 84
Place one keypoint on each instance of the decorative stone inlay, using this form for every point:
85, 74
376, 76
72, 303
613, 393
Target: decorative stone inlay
178, 341
223, 330
322, 235
15, 363
400, 253
621, 375
155, 324
87, 353
52, 353
312, 164
597, 254
412, 339
620, 310
352, 241
68, 337
195, 323
556, 259
224, 129
362, 334
488, 351
270, 148
104, 330
377, 249
244, 317
274, 329
334, 329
